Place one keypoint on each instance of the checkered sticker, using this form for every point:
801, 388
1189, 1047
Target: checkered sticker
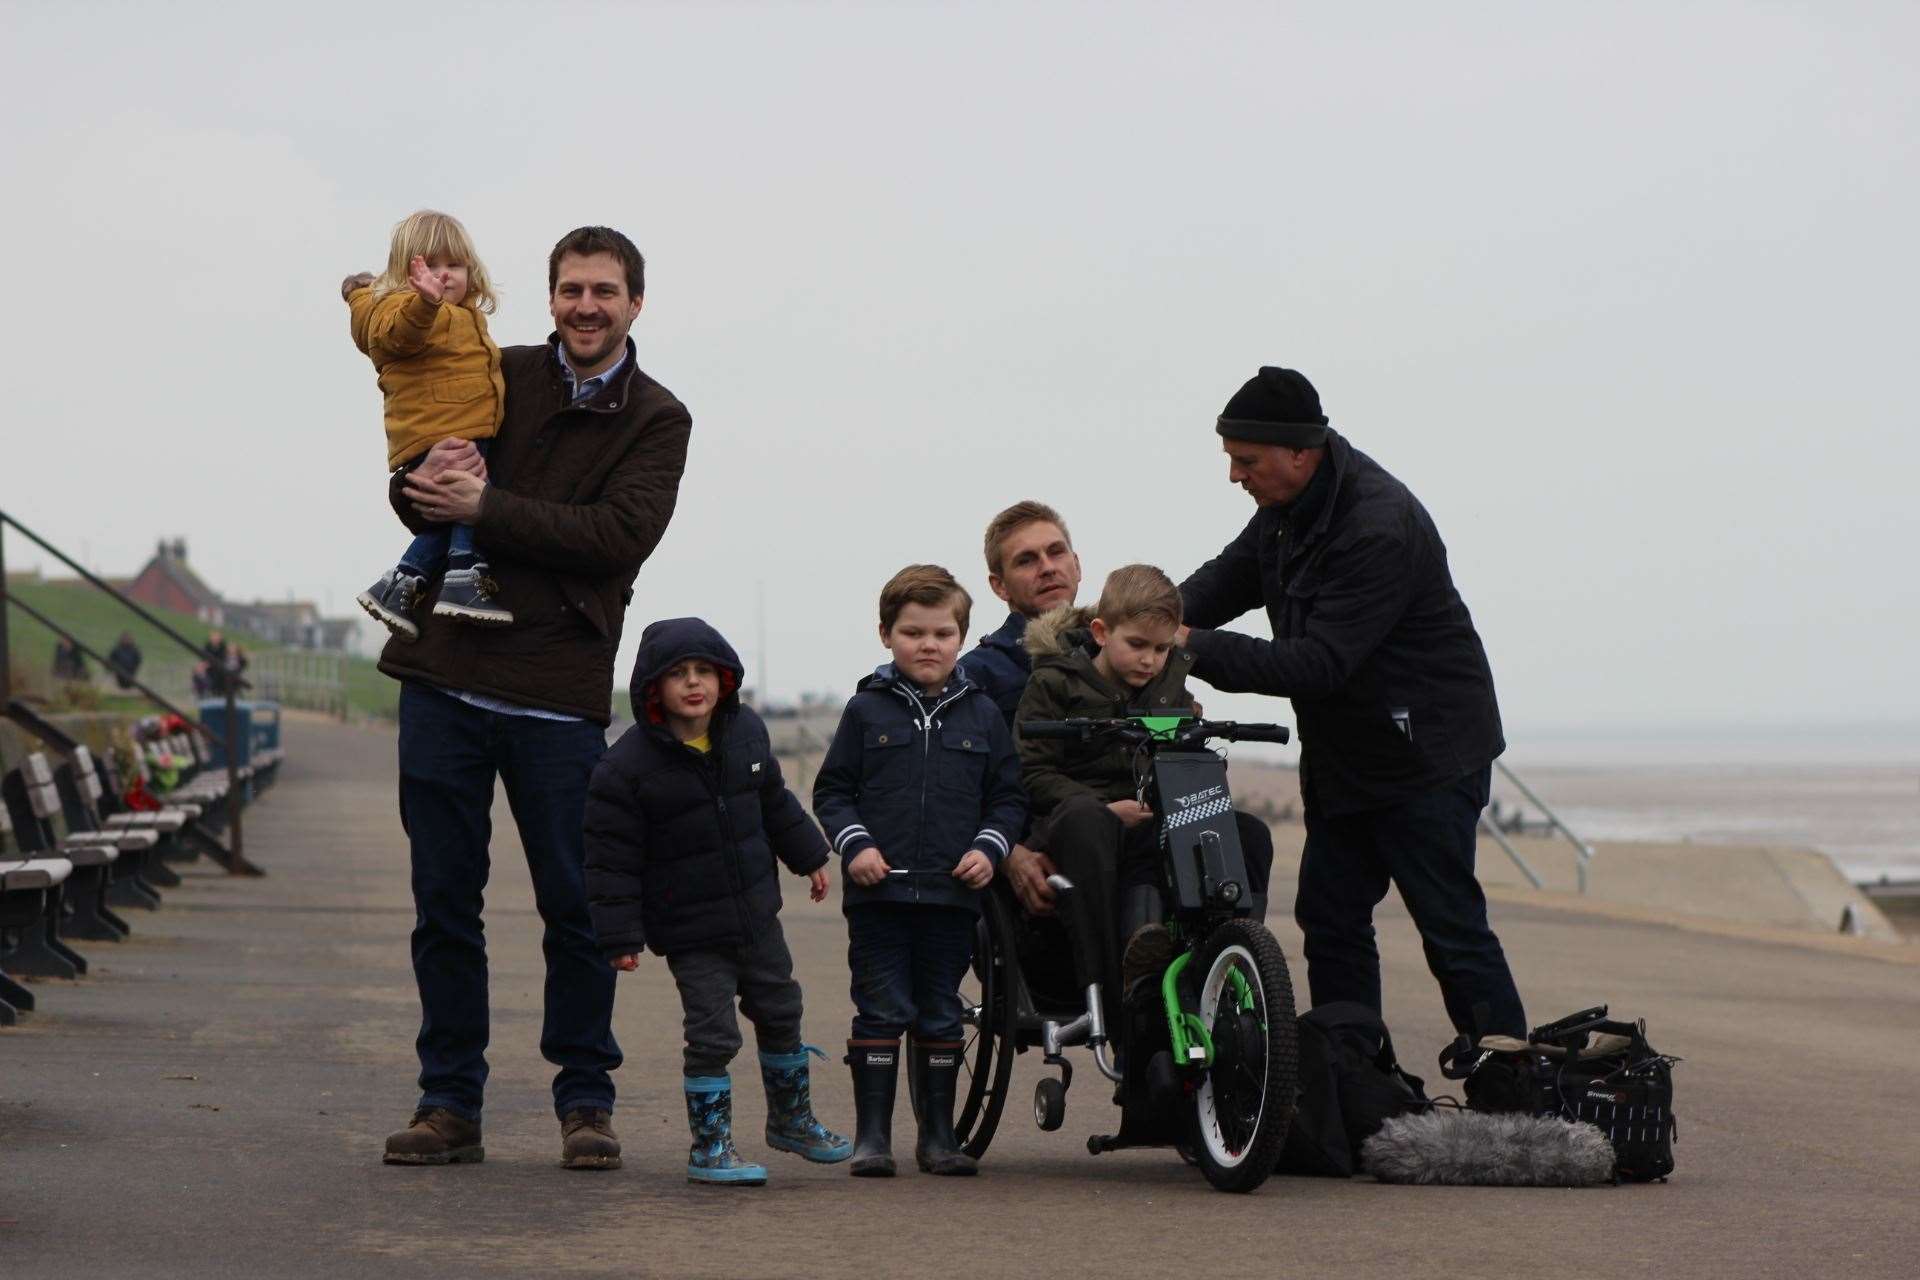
1199, 813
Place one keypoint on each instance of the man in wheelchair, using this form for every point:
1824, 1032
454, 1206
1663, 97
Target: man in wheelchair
1115, 659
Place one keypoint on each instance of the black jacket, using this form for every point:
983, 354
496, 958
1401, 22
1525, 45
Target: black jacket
680, 844
926, 782
1390, 685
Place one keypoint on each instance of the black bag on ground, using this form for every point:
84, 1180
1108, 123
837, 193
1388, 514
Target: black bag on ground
1588, 1068
1350, 1085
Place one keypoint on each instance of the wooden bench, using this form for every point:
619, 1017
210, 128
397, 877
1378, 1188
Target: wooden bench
31, 891
78, 784
33, 802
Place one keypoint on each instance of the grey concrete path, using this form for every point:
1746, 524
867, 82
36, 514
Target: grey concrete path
211, 1102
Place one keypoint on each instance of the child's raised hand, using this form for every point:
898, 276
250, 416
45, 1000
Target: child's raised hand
868, 868
817, 884
424, 282
625, 964
975, 870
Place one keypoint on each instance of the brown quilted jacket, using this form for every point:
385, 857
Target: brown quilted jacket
577, 498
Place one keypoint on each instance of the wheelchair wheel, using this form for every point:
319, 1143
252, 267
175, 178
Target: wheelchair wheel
986, 996
1244, 1102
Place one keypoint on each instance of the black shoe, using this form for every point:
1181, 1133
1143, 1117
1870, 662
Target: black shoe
936, 1073
876, 1076
392, 601
467, 594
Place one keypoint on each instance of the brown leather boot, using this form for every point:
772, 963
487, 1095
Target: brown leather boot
436, 1135
587, 1141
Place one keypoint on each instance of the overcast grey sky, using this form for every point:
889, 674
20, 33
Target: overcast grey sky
1625, 293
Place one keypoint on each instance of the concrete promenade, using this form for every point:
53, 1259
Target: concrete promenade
210, 1102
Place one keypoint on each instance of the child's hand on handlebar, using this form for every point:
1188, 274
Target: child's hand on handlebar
817, 884
974, 870
1130, 812
868, 868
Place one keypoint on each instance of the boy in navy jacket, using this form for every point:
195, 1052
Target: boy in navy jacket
685, 816
920, 795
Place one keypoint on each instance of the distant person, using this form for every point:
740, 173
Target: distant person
1391, 693
1100, 663
572, 498
686, 817
125, 660
423, 323
920, 796
69, 663
1031, 564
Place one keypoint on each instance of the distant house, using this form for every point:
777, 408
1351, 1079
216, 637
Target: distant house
168, 583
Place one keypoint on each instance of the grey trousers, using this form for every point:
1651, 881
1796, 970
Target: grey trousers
760, 976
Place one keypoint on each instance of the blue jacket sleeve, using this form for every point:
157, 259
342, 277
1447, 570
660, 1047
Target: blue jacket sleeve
836, 789
1006, 800
1226, 586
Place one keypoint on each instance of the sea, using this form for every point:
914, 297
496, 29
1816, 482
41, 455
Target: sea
1852, 791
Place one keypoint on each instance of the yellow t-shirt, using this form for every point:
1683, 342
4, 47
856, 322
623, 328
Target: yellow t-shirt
702, 744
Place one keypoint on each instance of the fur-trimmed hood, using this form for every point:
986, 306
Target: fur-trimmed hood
1059, 631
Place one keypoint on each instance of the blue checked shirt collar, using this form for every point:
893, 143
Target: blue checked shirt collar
578, 391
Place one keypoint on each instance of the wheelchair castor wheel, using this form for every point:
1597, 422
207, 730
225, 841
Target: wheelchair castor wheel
1049, 1104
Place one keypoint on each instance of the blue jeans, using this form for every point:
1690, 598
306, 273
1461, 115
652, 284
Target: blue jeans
450, 753
907, 962
1424, 846
427, 554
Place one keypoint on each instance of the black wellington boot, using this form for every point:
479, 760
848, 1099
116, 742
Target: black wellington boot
937, 1064
876, 1076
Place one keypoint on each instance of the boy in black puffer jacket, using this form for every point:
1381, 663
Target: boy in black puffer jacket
685, 816
920, 794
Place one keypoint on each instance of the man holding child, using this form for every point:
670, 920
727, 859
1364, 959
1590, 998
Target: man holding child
572, 498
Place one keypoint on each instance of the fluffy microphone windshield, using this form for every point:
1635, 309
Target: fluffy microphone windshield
1451, 1147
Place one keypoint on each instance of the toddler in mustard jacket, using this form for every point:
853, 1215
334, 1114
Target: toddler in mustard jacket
423, 323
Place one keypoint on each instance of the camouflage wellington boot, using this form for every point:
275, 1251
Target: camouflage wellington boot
791, 1124
710, 1117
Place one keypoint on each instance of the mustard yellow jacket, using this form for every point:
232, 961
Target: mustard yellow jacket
439, 371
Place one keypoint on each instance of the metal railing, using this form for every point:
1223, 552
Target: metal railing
234, 850
1582, 851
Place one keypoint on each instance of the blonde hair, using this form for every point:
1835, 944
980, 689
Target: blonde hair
1016, 517
429, 233
924, 584
1138, 591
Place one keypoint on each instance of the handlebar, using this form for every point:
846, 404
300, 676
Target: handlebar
1188, 731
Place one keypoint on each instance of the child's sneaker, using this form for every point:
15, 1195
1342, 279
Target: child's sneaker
392, 601
467, 594
1149, 951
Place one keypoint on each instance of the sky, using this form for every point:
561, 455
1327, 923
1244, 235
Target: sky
1622, 292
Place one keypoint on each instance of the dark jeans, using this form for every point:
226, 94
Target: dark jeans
1104, 858
449, 755
907, 962
1425, 847
760, 976
427, 554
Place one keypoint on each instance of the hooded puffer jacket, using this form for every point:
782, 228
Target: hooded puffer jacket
681, 844
1067, 686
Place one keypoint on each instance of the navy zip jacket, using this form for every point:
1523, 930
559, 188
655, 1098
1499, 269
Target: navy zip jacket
681, 844
925, 782
1390, 684
1000, 665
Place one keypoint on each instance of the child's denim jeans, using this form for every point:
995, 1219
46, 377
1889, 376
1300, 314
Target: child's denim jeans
427, 554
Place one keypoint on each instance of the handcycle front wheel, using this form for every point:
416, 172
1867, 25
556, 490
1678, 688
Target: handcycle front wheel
988, 1011
1243, 1103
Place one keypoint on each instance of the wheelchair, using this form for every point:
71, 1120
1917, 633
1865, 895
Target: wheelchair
1203, 1058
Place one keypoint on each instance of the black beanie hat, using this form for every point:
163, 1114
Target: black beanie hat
1276, 406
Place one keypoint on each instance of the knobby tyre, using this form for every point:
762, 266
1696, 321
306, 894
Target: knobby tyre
1244, 1101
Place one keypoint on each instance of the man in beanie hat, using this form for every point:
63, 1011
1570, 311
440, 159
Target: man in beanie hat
1391, 691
